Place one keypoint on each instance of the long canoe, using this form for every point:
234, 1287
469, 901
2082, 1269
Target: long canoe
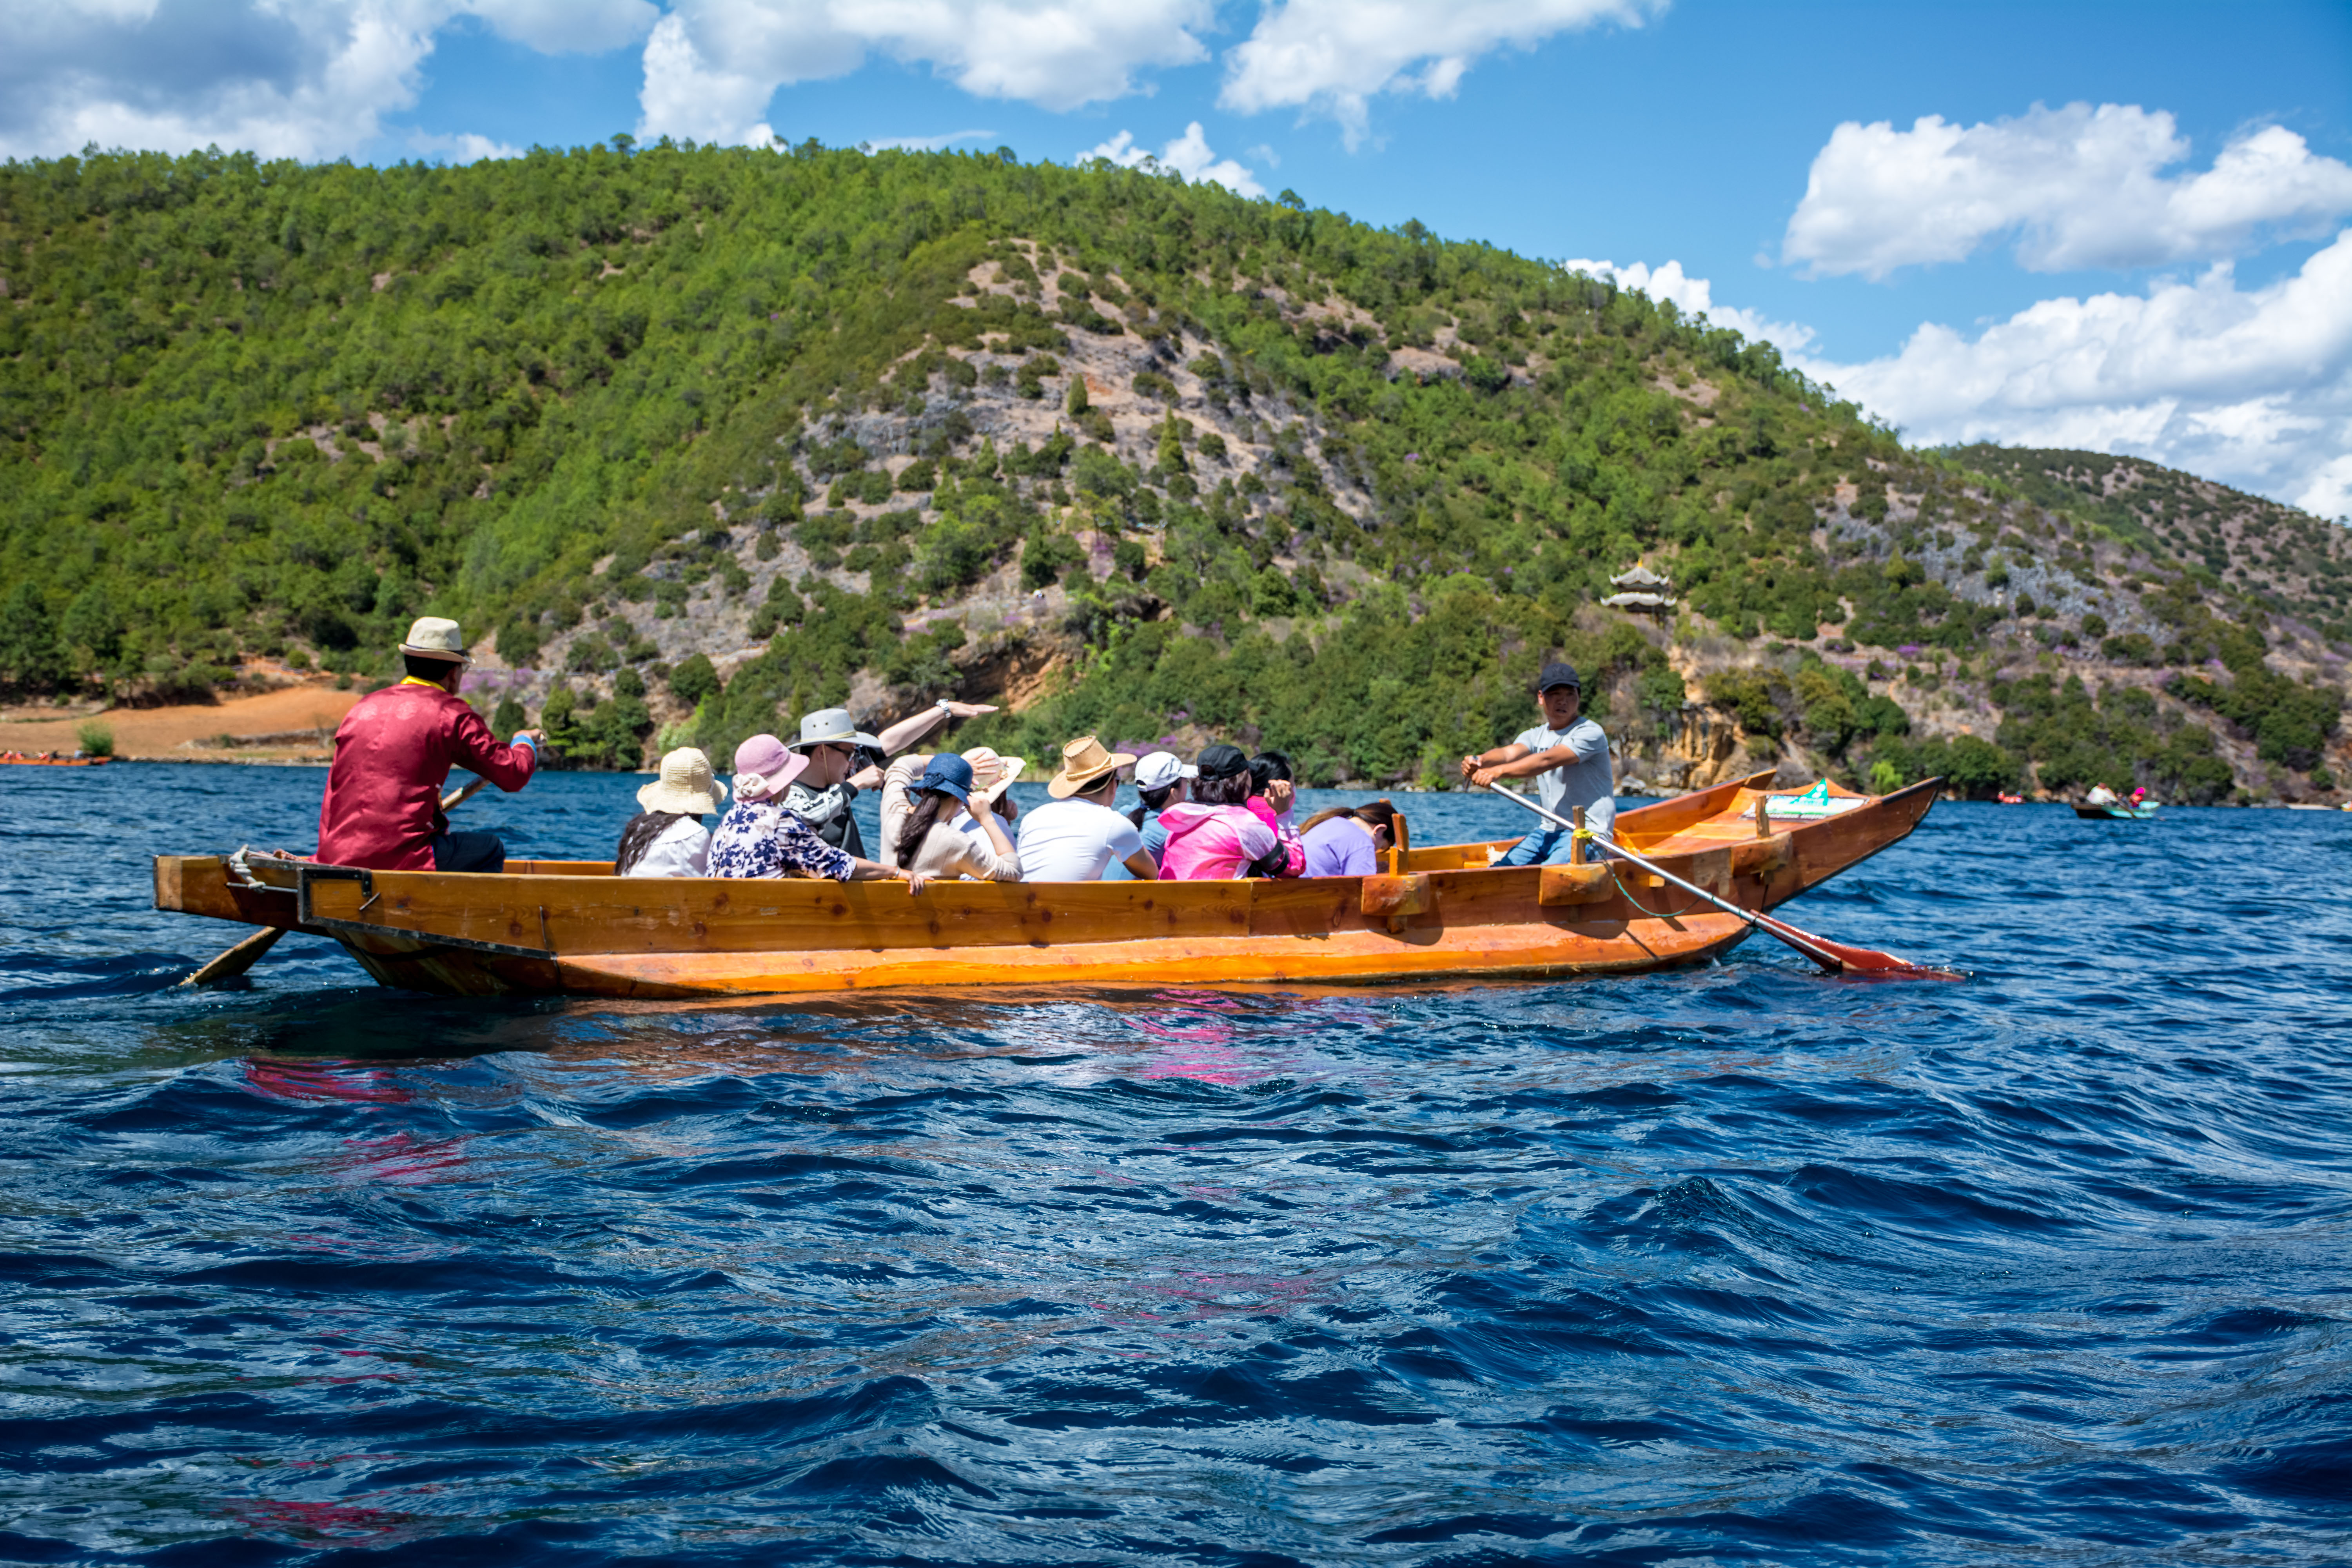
54, 762
2116, 813
571, 926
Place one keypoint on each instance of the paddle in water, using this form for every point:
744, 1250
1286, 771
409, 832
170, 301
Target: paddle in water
245, 954
1835, 957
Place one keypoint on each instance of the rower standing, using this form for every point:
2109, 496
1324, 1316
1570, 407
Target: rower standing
394, 751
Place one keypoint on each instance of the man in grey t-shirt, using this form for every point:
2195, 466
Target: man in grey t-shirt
1568, 759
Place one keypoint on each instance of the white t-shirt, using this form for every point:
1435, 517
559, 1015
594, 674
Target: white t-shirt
1073, 841
682, 850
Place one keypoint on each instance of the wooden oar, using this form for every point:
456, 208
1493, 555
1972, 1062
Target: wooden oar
246, 953
1836, 957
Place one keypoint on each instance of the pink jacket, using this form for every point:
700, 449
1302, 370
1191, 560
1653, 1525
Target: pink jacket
1209, 843
1295, 856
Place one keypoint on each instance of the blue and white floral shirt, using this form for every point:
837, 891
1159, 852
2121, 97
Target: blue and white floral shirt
760, 838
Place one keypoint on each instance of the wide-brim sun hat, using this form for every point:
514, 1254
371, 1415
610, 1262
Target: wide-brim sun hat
764, 768
991, 774
950, 775
1085, 764
436, 636
832, 727
685, 784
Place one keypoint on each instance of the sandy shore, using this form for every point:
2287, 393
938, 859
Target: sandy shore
294, 724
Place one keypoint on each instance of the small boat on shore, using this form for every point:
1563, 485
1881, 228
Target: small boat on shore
571, 926
54, 762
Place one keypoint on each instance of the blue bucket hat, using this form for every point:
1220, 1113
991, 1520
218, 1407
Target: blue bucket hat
950, 775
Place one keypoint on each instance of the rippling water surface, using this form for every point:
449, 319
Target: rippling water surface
1734, 1265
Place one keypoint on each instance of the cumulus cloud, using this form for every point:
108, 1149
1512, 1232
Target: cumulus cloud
306, 80
1695, 297
927, 143
1334, 55
2078, 186
2249, 385
1188, 154
711, 66
464, 147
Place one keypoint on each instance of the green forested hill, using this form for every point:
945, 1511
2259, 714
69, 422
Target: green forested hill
703, 433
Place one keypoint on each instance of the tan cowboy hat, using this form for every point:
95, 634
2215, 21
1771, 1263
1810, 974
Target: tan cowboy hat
687, 784
1084, 763
433, 637
991, 775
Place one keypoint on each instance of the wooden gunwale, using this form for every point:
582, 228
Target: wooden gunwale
571, 926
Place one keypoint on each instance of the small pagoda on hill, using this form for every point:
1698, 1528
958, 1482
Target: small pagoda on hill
1641, 591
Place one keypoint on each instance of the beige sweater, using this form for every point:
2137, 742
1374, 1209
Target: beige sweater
946, 852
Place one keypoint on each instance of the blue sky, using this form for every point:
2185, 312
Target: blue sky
2165, 268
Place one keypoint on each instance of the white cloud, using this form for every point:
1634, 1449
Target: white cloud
2079, 187
712, 65
1334, 55
1188, 155
1694, 297
927, 143
298, 78
2250, 386
464, 147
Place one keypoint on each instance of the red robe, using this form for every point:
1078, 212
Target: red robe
394, 751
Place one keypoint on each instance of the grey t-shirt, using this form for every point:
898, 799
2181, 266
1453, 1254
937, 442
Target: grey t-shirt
1586, 781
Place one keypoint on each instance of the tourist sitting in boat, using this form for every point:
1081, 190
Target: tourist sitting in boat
394, 751
992, 776
1348, 840
1272, 794
1077, 836
924, 802
1214, 834
2101, 796
1568, 759
667, 838
1162, 779
759, 837
832, 741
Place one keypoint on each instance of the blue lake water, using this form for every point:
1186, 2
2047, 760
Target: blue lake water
1737, 1265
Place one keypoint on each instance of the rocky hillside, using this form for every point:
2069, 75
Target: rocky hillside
702, 436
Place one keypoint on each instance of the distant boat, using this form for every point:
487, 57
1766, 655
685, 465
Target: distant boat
54, 762
2121, 813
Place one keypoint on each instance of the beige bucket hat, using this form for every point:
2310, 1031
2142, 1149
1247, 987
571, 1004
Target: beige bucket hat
991, 773
687, 784
1083, 764
434, 636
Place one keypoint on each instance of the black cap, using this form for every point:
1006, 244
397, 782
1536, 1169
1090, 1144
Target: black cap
1558, 675
1221, 761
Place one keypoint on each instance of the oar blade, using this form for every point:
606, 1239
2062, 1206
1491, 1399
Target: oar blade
1867, 961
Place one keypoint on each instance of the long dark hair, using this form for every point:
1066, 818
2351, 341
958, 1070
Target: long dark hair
639, 835
929, 804
1377, 813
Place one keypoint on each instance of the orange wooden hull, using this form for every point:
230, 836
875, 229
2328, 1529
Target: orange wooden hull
573, 927
54, 762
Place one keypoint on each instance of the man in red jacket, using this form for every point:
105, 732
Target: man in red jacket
393, 755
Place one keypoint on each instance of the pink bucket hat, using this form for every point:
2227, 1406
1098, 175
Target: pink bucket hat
764, 768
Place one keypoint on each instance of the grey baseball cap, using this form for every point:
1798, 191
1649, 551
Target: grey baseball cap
832, 726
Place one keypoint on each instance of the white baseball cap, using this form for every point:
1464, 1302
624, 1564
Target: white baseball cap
1158, 769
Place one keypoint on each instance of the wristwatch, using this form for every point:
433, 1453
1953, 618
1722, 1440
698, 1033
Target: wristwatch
946, 708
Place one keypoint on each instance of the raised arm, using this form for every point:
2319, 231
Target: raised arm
913, 728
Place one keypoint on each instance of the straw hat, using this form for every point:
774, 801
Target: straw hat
685, 784
991, 775
434, 636
764, 769
1083, 764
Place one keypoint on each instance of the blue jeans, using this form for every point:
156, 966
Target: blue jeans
468, 852
1549, 847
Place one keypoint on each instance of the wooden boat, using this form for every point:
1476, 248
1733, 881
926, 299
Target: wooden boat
2116, 813
54, 762
572, 927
